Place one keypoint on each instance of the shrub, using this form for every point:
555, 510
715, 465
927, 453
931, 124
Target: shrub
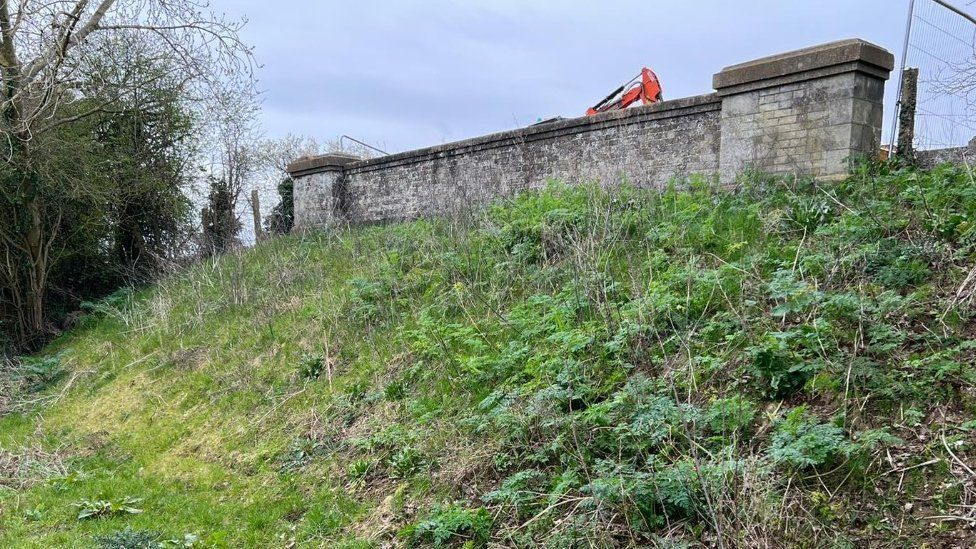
451, 524
218, 220
800, 441
39, 372
282, 216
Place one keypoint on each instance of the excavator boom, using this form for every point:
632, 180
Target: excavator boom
644, 87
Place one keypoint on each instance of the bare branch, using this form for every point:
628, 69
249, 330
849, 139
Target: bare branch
59, 49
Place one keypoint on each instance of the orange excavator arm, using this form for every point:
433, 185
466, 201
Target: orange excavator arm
644, 87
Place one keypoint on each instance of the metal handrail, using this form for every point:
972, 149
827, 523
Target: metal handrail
956, 10
367, 145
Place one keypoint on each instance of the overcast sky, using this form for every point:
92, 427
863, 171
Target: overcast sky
411, 73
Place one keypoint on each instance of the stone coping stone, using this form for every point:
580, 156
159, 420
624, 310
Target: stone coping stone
635, 115
320, 163
847, 55
662, 110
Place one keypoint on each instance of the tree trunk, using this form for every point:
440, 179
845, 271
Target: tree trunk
28, 242
256, 214
36, 247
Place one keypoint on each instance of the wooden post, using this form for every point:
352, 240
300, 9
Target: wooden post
906, 115
256, 212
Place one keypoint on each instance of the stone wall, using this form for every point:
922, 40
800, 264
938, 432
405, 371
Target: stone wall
805, 111
954, 155
645, 146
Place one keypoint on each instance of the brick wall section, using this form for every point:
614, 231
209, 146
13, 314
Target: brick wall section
804, 111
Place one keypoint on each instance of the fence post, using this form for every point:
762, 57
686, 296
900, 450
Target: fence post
256, 213
906, 115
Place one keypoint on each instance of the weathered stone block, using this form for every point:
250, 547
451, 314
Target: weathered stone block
840, 82
318, 191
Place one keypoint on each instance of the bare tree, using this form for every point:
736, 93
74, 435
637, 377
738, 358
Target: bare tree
48, 55
234, 151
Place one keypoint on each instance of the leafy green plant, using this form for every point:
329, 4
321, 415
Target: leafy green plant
730, 415
394, 391
311, 367
356, 391
359, 468
99, 508
41, 371
406, 462
800, 441
897, 265
129, 538
521, 491
782, 371
301, 452
369, 299
64, 483
451, 524
792, 295
282, 216
114, 304
35, 514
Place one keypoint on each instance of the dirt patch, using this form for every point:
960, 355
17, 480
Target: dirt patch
191, 358
468, 468
24, 467
379, 525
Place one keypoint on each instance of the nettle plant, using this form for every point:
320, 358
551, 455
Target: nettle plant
800, 441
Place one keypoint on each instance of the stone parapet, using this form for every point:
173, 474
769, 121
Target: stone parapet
805, 112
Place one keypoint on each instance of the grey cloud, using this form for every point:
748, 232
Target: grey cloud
412, 73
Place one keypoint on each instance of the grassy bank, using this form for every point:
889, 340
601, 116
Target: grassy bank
790, 363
